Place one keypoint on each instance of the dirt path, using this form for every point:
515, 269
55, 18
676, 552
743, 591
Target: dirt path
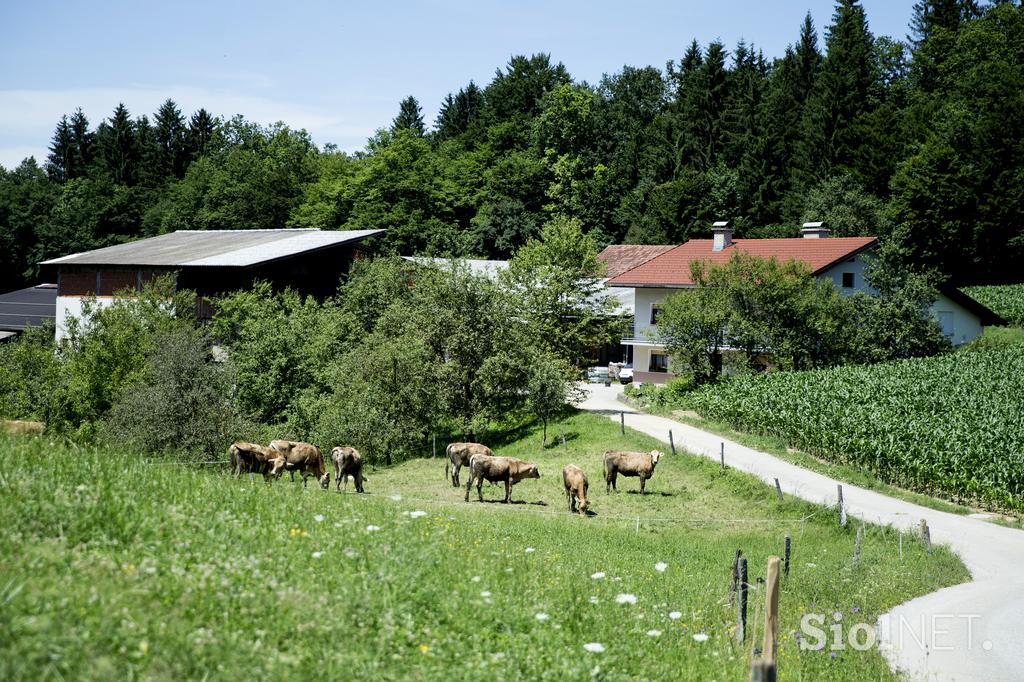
973, 631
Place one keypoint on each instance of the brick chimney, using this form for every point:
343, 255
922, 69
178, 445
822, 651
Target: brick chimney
814, 231
723, 235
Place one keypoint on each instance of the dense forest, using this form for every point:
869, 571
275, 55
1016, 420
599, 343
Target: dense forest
919, 141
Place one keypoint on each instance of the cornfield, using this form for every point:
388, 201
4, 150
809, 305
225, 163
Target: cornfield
1006, 300
951, 425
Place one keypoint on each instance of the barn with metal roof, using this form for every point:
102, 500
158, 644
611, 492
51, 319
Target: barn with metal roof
209, 262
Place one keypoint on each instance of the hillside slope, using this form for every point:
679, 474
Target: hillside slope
118, 567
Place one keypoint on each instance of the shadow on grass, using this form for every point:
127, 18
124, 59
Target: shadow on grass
556, 441
538, 503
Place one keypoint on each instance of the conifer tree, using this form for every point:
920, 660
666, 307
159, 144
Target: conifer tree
82, 146
840, 97
150, 169
170, 133
410, 116
61, 150
199, 138
115, 141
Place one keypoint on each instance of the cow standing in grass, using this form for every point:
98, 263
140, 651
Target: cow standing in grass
505, 469
302, 457
629, 464
251, 458
458, 455
575, 481
347, 462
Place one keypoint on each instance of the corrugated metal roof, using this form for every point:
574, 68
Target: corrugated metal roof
29, 307
672, 268
205, 248
488, 268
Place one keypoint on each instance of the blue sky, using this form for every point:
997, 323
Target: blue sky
339, 69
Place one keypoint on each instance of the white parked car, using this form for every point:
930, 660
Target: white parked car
626, 374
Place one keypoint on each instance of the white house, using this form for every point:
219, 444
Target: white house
838, 259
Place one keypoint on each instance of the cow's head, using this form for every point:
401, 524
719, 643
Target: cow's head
656, 455
584, 506
325, 480
533, 472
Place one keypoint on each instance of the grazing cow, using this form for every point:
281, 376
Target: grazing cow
302, 457
19, 427
252, 458
575, 481
348, 462
629, 464
506, 469
458, 457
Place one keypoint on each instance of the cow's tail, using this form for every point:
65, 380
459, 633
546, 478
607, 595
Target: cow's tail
447, 460
233, 456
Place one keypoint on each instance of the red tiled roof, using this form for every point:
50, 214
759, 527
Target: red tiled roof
623, 257
672, 268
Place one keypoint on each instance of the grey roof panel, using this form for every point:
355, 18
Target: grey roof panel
199, 248
28, 307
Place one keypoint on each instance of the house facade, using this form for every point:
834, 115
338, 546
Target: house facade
839, 260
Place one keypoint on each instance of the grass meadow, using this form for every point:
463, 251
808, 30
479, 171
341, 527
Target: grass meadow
115, 567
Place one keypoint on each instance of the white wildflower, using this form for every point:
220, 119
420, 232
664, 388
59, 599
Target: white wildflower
371, 528
594, 600
598, 575
485, 594
542, 617
675, 615
594, 647
475, 578
625, 598
530, 549
318, 518
396, 498
415, 514
812, 565
660, 566
317, 555
654, 633
700, 637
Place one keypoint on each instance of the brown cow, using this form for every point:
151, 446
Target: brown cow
629, 464
347, 462
251, 458
506, 469
458, 456
302, 457
575, 481
19, 427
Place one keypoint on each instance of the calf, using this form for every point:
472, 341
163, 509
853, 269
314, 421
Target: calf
347, 462
575, 481
458, 455
506, 469
302, 457
629, 464
251, 458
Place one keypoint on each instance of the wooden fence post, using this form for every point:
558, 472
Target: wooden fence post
842, 508
741, 610
672, 442
778, 490
901, 545
561, 430
771, 609
785, 565
433, 447
722, 455
762, 671
622, 421
735, 575
926, 536
856, 546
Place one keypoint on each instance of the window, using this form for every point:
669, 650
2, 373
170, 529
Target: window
655, 313
659, 362
847, 280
